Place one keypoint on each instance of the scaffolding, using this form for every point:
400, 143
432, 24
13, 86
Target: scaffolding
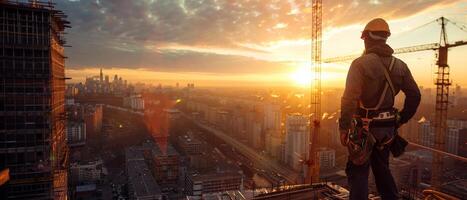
32, 87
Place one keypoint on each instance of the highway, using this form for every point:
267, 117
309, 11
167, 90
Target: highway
262, 161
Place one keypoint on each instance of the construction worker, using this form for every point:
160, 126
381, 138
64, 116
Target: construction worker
365, 89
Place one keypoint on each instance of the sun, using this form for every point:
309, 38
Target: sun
302, 76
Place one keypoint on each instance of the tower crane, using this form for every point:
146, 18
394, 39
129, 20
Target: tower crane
442, 83
312, 175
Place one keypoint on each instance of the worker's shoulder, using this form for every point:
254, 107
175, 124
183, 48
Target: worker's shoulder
371, 58
400, 66
369, 63
399, 61
365, 59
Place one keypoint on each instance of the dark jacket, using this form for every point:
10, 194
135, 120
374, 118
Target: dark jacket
365, 81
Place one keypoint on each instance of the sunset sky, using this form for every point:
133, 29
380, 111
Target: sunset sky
246, 42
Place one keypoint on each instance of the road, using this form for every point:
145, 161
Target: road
262, 161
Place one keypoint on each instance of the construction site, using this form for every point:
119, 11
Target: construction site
32, 112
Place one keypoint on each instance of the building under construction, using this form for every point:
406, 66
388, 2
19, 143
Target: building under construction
32, 119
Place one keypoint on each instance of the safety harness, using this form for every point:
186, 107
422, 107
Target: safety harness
366, 119
360, 140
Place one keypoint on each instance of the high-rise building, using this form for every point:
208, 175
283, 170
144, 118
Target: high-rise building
272, 129
76, 133
452, 138
462, 143
272, 117
101, 77
426, 134
327, 158
135, 102
32, 103
256, 135
296, 142
93, 120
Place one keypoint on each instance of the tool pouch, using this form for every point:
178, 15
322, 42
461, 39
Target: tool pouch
361, 142
398, 145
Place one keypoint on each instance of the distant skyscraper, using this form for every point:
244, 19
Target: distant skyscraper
254, 129
32, 104
272, 117
451, 142
296, 142
272, 129
101, 77
426, 134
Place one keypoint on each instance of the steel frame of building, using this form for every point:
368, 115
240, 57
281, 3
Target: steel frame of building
32, 87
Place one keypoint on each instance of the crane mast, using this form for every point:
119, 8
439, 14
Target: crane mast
442, 83
315, 93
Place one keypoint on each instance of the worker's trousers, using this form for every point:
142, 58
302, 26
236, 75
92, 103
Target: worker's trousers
379, 162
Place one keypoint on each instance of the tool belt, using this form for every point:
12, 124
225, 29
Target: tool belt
385, 119
379, 118
377, 114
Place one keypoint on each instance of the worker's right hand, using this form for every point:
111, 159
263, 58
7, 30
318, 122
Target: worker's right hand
344, 137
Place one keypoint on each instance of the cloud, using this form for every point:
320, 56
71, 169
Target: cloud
341, 13
169, 60
115, 32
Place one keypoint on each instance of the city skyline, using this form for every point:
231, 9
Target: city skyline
246, 43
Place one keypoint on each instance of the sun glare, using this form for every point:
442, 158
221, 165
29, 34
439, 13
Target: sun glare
333, 75
302, 76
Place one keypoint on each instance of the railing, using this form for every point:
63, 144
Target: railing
436, 195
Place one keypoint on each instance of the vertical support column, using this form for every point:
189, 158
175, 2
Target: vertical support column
315, 93
441, 109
